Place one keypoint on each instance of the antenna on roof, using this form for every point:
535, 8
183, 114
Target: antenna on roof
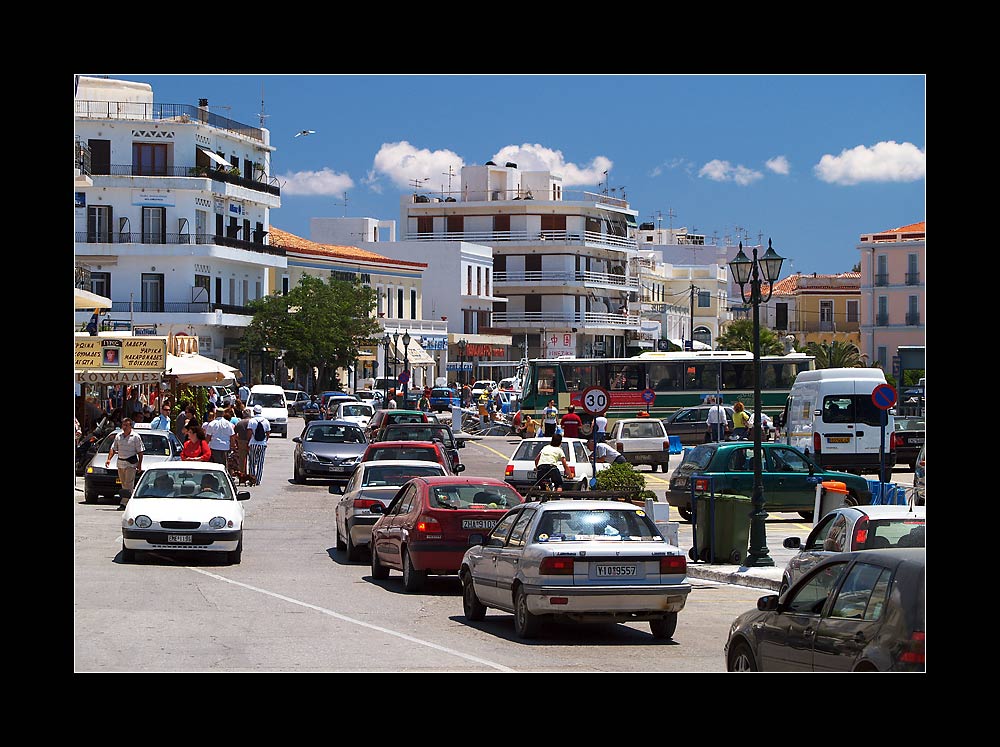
262, 116
344, 204
449, 173
417, 183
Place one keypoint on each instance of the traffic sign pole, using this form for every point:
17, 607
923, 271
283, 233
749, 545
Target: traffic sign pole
884, 397
595, 401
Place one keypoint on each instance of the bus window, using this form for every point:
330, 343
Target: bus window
578, 377
665, 377
625, 377
737, 375
546, 380
702, 376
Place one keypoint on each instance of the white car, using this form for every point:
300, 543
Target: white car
521, 473
373, 482
355, 412
641, 441
483, 385
184, 506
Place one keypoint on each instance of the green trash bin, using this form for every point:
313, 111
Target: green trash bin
722, 528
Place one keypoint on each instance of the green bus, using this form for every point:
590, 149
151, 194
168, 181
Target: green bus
678, 380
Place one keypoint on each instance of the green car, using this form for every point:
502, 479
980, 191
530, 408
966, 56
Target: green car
790, 477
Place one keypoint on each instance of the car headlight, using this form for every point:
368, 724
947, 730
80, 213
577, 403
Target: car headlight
309, 456
349, 460
218, 522
143, 522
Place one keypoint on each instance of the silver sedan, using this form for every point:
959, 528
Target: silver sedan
586, 561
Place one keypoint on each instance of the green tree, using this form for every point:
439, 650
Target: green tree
321, 324
836, 354
738, 335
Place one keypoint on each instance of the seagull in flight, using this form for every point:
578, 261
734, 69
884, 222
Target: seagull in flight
305, 132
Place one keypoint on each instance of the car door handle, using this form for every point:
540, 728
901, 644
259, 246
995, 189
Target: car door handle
809, 633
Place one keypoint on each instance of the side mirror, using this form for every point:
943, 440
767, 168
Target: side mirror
377, 508
337, 489
243, 495
792, 543
494, 542
297, 440
459, 468
768, 603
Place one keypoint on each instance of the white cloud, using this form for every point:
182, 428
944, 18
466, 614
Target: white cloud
674, 163
401, 162
779, 165
723, 171
371, 180
325, 182
537, 157
887, 161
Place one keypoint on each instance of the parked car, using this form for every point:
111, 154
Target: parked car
372, 483
690, 424
859, 611
854, 528
641, 441
920, 477
424, 432
432, 521
355, 412
586, 561
483, 385
295, 399
790, 477
329, 400
158, 446
184, 506
428, 451
908, 439
327, 448
384, 416
444, 398
521, 473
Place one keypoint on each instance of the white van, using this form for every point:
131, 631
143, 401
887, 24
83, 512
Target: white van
273, 406
831, 416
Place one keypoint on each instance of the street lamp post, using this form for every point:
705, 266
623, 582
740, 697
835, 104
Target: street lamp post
746, 271
406, 363
386, 341
395, 357
461, 352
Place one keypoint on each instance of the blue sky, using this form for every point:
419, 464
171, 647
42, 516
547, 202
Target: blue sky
811, 162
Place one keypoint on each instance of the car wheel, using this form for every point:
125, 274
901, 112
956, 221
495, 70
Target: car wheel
90, 495
851, 500
413, 580
807, 515
664, 627
685, 513
784, 585
526, 625
353, 551
913, 466
473, 608
741, 658
340, 543
379, 571
297, 477
235, 556
128, 556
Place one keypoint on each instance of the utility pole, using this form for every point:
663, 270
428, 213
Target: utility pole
693, 289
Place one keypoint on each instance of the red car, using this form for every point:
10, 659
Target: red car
432, 521
425, 451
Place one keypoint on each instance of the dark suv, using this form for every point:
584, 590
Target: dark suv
690, 424
424, 432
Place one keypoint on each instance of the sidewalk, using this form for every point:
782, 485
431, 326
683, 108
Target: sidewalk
768, 580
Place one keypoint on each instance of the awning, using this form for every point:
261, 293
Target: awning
84, 299
191, 368
216, 157
415, 354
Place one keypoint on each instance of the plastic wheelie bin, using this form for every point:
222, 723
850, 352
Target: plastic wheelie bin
722, 528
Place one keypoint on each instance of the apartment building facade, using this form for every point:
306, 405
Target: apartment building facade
816, 308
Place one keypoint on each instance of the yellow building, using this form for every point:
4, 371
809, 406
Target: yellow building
816, 308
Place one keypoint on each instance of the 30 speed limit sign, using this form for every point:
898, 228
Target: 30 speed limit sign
595, 400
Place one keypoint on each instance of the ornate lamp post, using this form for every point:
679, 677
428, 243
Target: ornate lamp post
386, 341
395, 355
461, 352
746, 271
406, 363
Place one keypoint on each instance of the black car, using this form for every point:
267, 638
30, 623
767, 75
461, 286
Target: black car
907, 440
859, 611
690, 424
424, 432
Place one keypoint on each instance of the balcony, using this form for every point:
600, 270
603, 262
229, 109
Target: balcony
881, 320
556, 277
913, 318
158, 307
81, 157
219, 175
913, 278
179, 113
882, 278
591, 320
135, 237
532, 238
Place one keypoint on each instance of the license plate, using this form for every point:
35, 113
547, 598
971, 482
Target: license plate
839, 439
532, 474
338, 469
118, 481
179, 538
616, 570
478, 523
914, 440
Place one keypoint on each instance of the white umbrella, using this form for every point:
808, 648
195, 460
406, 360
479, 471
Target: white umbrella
190, 368
84, 299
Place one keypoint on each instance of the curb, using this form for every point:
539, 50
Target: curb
733, 576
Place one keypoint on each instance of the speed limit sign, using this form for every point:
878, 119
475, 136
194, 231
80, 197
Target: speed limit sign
595, 400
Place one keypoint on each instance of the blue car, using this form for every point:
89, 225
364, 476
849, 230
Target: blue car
442, 399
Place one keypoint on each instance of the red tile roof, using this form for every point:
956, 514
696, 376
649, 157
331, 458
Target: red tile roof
790, 285
291, 242
920, 227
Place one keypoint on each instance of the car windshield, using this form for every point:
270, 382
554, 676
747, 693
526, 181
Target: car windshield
910, 424
474, 496
410, 433
608, 525
700, 456
893, 533
528, 450
353, 411
334, 434
153, 444
407, 417
266, 400
442, 393
403, 452
182, 482
383, 475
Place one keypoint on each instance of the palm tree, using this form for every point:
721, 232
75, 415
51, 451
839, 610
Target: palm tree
836, 354
738, 335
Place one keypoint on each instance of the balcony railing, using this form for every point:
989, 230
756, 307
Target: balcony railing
180, 113
913, 318
137, 237
557, 277
541, 319
528, 237
882, 278
219, 175
881, 320
913, 278
158, 307
81, 157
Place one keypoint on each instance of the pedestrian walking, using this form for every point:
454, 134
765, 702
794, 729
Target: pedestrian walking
187, 414
716, 421
241, 433
604, 453
162, 421
243, 393
571, 423
530, 427
220, 432
741, 421
600, 429
424, 403
550, 416
466, 395
128, 447
196, 448
259, 429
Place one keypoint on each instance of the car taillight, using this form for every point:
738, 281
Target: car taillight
556, 566
366, 502
701, 484
817, 443
913, 649
570, 470
508, 470
428, 525
666, 446
860, 534
673, 564
618, 446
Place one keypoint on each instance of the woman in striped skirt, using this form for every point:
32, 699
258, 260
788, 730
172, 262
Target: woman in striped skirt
257, 447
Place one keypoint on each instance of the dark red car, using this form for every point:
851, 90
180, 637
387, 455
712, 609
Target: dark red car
427, 451
431, 522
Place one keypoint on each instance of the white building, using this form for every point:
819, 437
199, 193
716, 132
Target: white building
559, 258
173, 226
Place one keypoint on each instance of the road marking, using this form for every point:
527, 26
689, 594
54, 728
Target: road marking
489, 448
331, 613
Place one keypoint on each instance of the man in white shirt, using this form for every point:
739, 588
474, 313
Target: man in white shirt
244, 393
221, 432
716, 420
162, 421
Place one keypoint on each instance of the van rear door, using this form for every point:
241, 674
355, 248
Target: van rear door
852, 424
